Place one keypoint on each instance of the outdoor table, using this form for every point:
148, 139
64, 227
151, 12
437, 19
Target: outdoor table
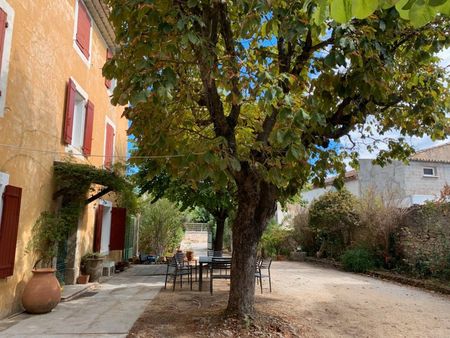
204, 260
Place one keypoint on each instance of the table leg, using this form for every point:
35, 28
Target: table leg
200, 277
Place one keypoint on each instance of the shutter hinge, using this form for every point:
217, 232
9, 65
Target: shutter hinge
6, 24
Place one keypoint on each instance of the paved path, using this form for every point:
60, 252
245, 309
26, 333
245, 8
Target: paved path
109, 311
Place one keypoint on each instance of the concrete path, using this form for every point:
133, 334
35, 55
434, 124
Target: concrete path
109, 310
196, 241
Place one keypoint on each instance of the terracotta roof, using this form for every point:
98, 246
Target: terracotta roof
350, 175
438, 154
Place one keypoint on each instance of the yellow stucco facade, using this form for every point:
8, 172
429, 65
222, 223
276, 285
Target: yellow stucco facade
43, 56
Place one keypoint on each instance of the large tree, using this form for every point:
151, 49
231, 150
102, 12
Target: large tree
217, 202
257, 93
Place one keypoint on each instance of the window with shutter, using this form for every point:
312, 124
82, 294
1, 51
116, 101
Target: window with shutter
6, 30
83, 29
9, 226
118, 225
70, 107
109, 146
89, 126
3, 26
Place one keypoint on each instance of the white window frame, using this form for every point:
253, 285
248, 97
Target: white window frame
110, 122
426, 175
6, 54
4, 181
75, 29
110, 91
78, 152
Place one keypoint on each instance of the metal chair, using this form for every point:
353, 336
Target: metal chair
176, 268
259, 275
216, 268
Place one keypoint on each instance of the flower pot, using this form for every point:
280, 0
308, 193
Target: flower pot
94, 267
189, 255
83, 279
42, 293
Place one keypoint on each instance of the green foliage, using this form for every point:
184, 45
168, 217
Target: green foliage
357, 260
161, 227
277, 241
333, 217
74, 181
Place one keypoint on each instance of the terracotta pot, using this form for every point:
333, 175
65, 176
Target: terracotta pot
42, 293
94, 268
83, 279
189, 255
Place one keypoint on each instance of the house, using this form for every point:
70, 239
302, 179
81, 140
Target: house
422, 179
54, 105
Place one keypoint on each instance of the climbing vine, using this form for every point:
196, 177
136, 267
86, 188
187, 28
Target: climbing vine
75, 182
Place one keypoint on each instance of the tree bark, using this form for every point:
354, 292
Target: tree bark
256, 205
220, 226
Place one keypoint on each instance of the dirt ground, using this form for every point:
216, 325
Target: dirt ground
307, 301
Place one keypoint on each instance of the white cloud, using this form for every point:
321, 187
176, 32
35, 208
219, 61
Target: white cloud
445, 57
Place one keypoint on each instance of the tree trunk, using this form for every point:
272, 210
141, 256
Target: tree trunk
256, 205
220, 226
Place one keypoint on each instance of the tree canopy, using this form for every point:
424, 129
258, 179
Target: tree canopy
258, 94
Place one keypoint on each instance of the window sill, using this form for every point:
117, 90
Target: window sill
75, 151
430, 176
86, 61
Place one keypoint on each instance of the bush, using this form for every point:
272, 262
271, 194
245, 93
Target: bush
334, 218
277, 241
357, 260
161, 227
303, 234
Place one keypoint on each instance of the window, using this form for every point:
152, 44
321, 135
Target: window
6, 30
429, 172
109, 145
79, 120
83, 31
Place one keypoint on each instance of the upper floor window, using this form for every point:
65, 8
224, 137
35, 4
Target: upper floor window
429, 172
6, 27
83, 31
79, 119
110, 132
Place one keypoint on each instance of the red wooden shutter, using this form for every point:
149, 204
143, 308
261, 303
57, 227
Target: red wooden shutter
83, 29
109, 56
98, 228
8, 229
3, 26
118, 224
70, 107
109, 146
88, 128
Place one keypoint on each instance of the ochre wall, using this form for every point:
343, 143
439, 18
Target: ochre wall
42, 60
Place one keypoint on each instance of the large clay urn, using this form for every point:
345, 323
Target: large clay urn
42, 293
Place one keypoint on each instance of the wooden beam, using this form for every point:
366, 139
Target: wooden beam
98, 195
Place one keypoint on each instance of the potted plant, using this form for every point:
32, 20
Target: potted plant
43, 291
189, 255
83, 279
93, 265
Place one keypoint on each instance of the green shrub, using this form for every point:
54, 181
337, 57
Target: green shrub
334, 218
277, 241
161, 227
357, 260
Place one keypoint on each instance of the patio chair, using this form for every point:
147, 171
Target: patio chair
219, 268
262, 265
176, 268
